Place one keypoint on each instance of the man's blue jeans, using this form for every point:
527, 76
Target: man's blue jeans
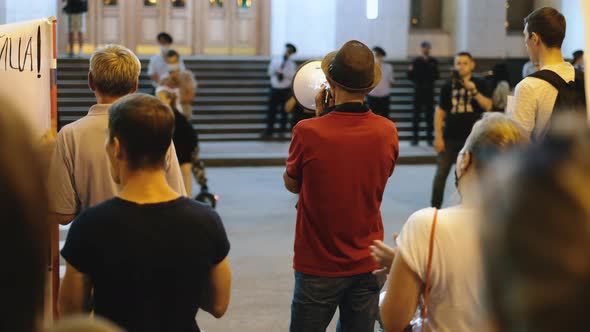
315, 300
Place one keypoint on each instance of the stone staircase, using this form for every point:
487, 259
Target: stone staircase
231, 97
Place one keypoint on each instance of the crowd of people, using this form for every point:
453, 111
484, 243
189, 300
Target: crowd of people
139, 253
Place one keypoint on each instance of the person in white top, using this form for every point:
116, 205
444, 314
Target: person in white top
455, 300
534, 98
578, 60
158, 66
281, 71
378, 98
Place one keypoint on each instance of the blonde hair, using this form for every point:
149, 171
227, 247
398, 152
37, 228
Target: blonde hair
115, 70
495, 131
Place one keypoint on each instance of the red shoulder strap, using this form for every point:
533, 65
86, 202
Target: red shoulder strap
429, 267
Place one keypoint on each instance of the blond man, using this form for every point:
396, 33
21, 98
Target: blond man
79, 174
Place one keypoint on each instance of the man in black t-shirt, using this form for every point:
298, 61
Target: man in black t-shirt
152, 257
424, 73
462, 102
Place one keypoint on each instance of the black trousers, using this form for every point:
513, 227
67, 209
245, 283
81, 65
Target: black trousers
379, 105
298, 114
276, 104
444, 162
423, 106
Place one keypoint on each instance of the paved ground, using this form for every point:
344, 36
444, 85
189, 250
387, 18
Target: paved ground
260, 218
259, 215
274, 153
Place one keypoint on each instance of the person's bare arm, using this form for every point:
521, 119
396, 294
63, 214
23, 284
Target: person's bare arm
188, 94
483, 101
439, 119
293, 185
401, 301
290, 105
74, 292
384, 255
216, 299
155, 78
187, 177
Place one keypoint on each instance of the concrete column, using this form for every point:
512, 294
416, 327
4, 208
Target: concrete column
18, 10
309, 24
479, 27
389, 30
574, 36
2, 11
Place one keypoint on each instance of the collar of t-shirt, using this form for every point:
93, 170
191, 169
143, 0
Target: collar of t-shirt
348, 108
99, 109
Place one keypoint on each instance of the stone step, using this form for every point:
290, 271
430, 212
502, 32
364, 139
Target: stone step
84, 92
232, 95
229, 128
255, 136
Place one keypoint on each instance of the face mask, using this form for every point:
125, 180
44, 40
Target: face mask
174, 67
164, 49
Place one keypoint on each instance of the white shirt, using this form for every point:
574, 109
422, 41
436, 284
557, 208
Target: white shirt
384, 87
534, 99
288, 70
80, 171
455, 303
159, 66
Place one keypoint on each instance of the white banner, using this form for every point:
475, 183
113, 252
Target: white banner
26, 60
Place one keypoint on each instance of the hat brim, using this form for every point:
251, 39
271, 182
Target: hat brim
326, 69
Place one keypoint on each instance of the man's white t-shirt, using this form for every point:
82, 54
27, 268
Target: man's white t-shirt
384, 87
455, 302
158, 65
534, 99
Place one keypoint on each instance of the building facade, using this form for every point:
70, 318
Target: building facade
487, 28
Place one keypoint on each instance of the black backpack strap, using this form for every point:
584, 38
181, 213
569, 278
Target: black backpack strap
550, 77
580, 79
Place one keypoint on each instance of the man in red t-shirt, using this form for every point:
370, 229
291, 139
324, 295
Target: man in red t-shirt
339, 163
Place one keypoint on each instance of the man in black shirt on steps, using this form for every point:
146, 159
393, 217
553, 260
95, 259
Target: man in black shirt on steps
463, 100
424, 73
152, 257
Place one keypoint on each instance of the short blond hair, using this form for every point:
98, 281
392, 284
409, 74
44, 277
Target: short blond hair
115, 70
494, 132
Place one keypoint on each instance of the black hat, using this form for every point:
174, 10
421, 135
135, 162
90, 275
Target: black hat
352, 67
379, 51
291, 48
166, 37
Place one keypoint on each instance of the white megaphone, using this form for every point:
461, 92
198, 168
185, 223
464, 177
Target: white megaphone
307, 83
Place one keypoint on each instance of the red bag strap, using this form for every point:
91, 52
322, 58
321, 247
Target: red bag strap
429, 268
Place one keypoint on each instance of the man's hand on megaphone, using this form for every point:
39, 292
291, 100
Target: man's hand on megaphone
319, 101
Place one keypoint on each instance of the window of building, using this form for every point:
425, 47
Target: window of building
426, 14
178, 3
372, 9
216, 3
516, 11
244, 4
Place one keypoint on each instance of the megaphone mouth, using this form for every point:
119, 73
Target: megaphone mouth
307, 82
